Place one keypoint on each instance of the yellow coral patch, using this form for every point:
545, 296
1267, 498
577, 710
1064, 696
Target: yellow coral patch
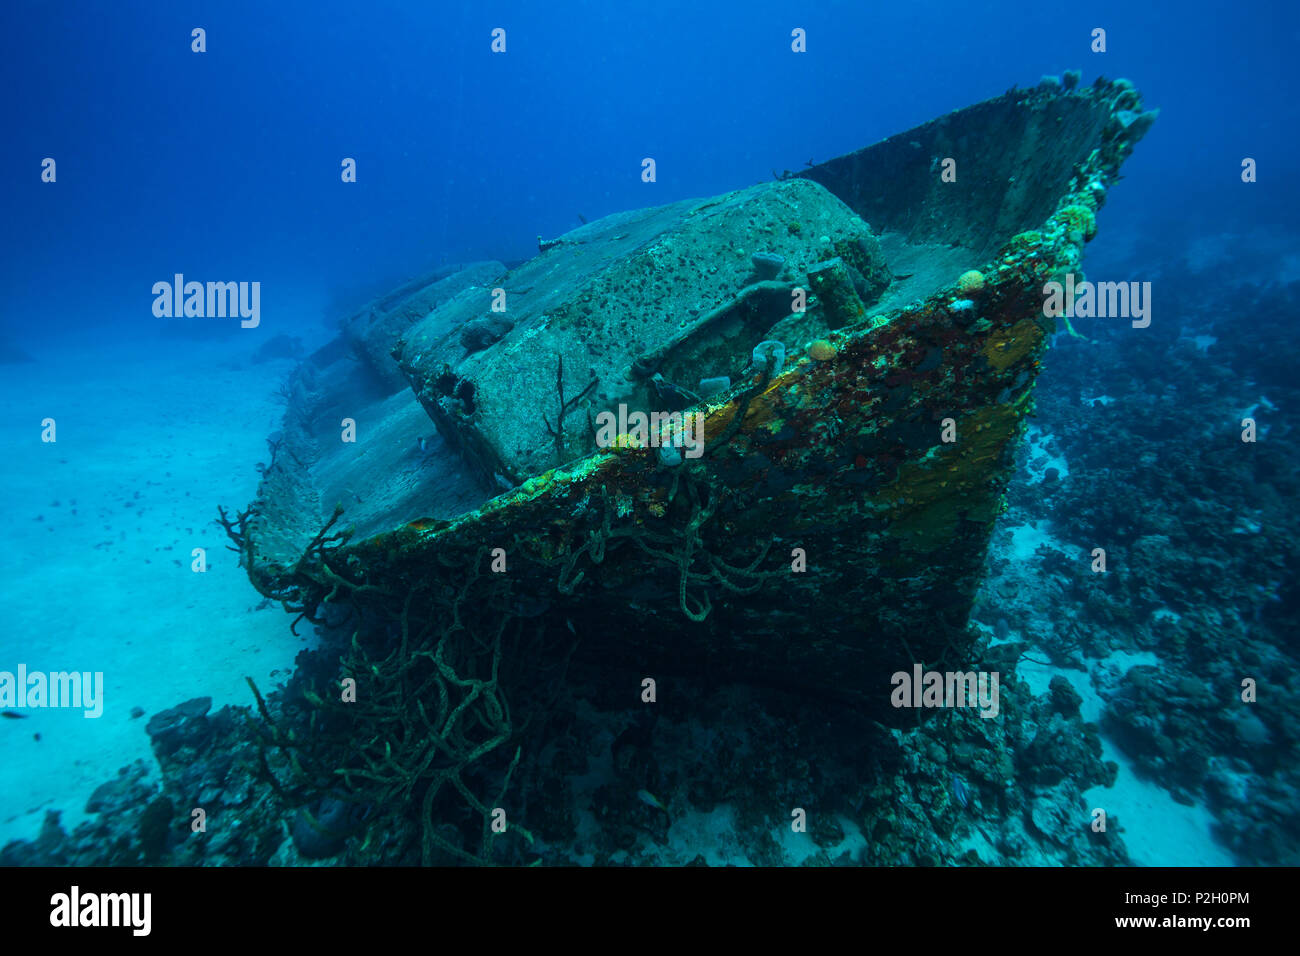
931, 495
1079, 219
1004, 348
821, 351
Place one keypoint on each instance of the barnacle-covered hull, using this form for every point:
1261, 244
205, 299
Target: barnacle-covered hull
833, 530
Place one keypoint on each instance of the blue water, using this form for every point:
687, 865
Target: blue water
226, 165
173, 161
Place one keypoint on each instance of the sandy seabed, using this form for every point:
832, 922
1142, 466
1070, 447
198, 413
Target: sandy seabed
100, 530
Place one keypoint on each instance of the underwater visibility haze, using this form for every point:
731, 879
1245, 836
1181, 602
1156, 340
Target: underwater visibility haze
649, 434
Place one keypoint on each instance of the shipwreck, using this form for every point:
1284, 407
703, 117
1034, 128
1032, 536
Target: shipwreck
856, 345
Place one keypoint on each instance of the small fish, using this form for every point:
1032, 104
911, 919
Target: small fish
13, 715
424, 444
650, 800
960, 791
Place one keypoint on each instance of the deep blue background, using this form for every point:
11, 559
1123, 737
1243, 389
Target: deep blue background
225, 165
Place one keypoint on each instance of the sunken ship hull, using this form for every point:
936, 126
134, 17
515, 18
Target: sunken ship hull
832, 529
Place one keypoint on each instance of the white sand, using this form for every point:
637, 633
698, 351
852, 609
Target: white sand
150, 440
1157, 829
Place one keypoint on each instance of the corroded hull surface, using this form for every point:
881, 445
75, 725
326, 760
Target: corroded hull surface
835, 527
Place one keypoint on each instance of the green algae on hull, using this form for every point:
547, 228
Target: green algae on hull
830, 534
